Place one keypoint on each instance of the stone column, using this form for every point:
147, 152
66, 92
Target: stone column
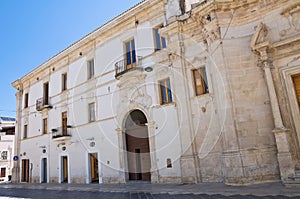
282, 135
122, 171
154, 169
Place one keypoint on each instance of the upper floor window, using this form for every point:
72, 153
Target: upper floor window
165, 91
64, 121
200, 81
160, 42
25, 131
91, 71
46, 93
130, 55
26, 100
45, 126
92, 112
64, 81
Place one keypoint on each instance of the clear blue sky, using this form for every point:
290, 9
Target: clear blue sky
32, 31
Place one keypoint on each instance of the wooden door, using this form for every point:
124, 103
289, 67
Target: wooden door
65, 176
25, 170
94, 167
296, 80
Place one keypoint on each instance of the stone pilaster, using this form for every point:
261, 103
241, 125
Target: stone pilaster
122, 169
282, 135
154, 169
17, 141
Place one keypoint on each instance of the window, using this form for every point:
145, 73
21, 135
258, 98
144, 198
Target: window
46, 93
64, 81
64, 121
25, 131
160, 42
91, 112
91, 69
200, 81
4, 155
130, 56
26, 100
165, 91
45, 126
3, 172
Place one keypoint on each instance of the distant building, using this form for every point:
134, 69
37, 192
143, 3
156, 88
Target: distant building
7, 138
187, 91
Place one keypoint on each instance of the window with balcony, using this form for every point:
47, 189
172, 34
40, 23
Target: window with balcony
130, 55
26, 100
92, 112
25, 131
64, 121
4, 155
165, 91
160, 42
43, 103
46, 93
90, 69
64, 79
200, 81
45, 126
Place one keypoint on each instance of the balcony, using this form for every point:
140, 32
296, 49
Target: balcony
60, 134
42, 104
122, 67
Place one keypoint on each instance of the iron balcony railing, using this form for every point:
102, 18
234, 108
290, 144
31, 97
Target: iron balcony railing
61, 133
42, 103
122, 67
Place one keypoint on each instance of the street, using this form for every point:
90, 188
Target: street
67, 194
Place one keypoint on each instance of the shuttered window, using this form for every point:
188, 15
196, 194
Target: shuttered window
296, 80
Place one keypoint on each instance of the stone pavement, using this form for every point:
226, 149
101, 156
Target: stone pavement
149, 191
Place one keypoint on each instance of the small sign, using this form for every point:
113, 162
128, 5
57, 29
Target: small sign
15, 158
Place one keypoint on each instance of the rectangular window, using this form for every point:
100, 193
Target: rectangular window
64, 122
4, 155
160, 42
26, 100
130, 55
91, 70
45, 126
64, 81
46, 93
92, 112
25, 131
165, 91
200, 81
3, 172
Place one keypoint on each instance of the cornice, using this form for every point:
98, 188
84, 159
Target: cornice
90, 37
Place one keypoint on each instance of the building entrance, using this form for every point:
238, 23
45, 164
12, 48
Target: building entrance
137, 145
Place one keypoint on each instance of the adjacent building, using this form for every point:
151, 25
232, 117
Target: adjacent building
7, 132
169, 91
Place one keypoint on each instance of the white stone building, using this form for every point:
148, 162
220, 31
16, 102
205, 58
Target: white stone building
7, 138
168, 91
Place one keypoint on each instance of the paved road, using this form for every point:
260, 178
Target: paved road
6, 193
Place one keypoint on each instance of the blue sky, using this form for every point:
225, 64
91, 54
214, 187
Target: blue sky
32, 31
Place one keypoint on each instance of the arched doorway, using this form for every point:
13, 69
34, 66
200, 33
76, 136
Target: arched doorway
137, 146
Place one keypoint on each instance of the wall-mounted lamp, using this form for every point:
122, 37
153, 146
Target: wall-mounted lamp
148, 69
54, 130
69, 126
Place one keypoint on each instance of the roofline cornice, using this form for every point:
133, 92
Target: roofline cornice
89, 37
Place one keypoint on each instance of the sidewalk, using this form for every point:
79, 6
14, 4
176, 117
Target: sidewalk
265, 189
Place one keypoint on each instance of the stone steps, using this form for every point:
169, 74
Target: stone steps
294, 180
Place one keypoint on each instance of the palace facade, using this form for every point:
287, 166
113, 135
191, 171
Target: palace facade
169, 91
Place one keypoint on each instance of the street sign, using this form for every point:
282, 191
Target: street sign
15, 158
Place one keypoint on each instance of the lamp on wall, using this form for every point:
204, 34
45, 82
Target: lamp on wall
148, 69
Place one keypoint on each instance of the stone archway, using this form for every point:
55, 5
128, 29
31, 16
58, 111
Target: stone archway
137, 146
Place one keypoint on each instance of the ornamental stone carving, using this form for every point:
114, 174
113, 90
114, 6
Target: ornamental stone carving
292, 14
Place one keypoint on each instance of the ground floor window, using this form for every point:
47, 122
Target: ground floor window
3, 172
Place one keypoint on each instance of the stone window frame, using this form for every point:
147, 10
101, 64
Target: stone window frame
203, 81
162, 40
90, 68
287, 75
